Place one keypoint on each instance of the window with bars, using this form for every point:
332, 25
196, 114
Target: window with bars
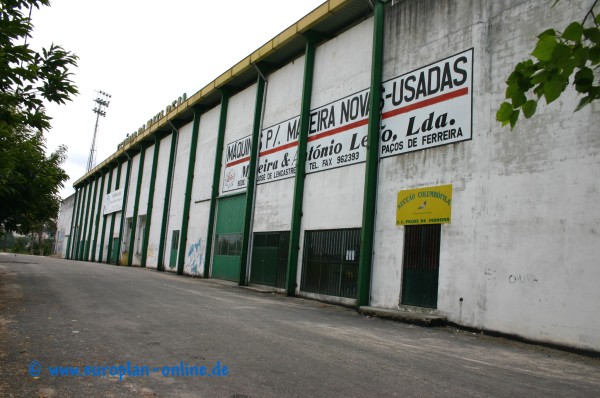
330, 262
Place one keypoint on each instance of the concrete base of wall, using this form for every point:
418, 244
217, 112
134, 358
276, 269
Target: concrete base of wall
415, 318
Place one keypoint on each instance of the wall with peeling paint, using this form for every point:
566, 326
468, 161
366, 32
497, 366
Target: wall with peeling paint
273, 207
201, 193
63, 226
158, 205
519, 252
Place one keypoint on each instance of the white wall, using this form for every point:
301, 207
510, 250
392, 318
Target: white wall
240, 116
521, 248
333, 198
521, 252
143, 199
129, 204
159, 201
201, 192
118, 215
63, 225
273, 208
182, 158
95, 243
106, 231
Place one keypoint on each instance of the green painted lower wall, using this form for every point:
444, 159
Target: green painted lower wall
226, 267
230, 221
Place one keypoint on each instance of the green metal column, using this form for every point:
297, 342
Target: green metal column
80, 208
256, 126
75, 251
84, 218
73, 221
150, 204
100, 257
371, 169
216, 178
112, 219
91, 220
187, 198
136, 203
309, 67
97, 223
165, 215
125, 195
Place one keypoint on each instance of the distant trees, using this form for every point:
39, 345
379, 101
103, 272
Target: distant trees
30, 180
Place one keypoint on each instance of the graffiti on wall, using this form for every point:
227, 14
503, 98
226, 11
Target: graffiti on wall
194, 257
522, 278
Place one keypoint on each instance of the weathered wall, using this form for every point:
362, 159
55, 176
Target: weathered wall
240, 113
159, 202
521, 245
333, 197
137, 235
201, 192
273, 207
106, 231
63, 226
182, 157
129, 205
519, 255
542, 274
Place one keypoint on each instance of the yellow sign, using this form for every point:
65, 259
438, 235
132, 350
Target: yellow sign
430, 205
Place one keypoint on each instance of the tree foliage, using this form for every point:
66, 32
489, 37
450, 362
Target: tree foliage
27, 77
30, 180
29, 187
558, 56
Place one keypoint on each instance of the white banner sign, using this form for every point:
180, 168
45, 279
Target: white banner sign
428, 107
237, 162
278, 150
336, 137
113, 202
337, 134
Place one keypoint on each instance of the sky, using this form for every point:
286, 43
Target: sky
146, 53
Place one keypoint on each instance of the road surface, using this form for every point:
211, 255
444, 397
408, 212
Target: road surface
120, 332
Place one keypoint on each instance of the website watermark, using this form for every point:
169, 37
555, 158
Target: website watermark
183, 369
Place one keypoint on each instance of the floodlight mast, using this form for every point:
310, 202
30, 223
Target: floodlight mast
100, 110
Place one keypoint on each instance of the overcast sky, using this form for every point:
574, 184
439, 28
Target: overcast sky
146, 53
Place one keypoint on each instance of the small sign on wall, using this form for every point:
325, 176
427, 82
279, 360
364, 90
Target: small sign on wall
429, 205
237, 163
113, 201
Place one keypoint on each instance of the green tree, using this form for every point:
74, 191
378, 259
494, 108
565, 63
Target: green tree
558, 56
28, 78
29, 180
30, 194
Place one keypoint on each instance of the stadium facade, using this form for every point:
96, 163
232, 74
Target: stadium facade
355, 158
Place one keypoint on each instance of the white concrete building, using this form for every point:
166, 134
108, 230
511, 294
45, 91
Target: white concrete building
416, 201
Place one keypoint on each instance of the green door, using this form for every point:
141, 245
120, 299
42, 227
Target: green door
174, 248
115, 251
269, 258
264, 265
420, 269
228, 238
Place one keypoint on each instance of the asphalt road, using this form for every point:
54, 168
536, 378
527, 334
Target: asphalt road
78, 315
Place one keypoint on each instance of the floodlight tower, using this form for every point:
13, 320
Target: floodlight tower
102, 103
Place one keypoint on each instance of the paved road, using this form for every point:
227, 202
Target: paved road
80, 314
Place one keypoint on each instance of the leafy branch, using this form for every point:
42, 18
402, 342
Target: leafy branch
559, 55
27, 77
